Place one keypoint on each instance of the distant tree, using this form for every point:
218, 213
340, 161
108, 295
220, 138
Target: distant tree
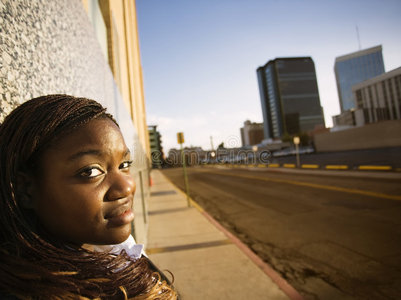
221, 146
305, 138
286, 138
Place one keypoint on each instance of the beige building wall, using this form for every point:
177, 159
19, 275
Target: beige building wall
124, 59
375, 135
378, 98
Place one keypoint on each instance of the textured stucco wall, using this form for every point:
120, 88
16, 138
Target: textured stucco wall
49, 47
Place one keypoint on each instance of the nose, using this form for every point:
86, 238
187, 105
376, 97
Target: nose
122, 186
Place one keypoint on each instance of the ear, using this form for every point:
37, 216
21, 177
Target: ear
24, 190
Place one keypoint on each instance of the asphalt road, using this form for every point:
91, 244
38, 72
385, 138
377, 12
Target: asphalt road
331, 237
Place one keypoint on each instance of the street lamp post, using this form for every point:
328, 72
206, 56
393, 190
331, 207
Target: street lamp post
180, 140
213, 155
296, 142
255, 150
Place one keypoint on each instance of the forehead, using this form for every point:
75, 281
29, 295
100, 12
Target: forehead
98, 134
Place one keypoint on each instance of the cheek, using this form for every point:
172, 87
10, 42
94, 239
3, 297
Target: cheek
71, 206
81, 203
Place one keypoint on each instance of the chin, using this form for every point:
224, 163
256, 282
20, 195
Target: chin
111, 236
119, 237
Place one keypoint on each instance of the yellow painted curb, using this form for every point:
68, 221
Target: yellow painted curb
336, 167
289, 165
274, 165
261, 166
196, 205
379, 168
309, 166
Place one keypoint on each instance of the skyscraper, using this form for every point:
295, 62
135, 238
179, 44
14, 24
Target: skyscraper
289, 97
354, 68
251, 133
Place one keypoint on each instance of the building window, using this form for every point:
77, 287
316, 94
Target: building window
116, 53
391, 93
397, 81
96, 18
359, 102
385, 94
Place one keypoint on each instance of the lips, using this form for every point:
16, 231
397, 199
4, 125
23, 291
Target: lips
119, 216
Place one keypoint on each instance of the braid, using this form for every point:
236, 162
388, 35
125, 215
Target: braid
25, 133
31, 265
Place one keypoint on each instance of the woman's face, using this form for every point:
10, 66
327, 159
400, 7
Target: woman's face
84, 191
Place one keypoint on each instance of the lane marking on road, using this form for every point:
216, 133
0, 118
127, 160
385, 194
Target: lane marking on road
321, 186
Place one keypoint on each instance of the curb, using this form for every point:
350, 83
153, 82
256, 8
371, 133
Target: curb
383, 168
274, 276
269, 271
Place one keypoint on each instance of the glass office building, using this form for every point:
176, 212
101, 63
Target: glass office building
354, 68
289, 97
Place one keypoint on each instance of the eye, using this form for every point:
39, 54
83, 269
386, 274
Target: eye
91, 172
126, 164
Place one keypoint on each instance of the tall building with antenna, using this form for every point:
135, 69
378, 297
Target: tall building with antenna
353, 68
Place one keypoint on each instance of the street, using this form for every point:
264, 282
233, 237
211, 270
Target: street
329, 236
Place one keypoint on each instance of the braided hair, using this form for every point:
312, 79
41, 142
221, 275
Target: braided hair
33, 266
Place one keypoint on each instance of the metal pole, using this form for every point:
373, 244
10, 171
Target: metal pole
185, 175
142, 198
297, 153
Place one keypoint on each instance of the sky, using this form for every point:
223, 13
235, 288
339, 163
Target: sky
199, 57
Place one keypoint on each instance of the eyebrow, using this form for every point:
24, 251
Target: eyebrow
92, 152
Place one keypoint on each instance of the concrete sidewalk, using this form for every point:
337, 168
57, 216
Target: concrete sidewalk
207, 261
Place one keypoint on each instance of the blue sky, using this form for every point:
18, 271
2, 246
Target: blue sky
199, 57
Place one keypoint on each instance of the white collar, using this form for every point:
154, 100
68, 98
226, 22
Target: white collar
133, 249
